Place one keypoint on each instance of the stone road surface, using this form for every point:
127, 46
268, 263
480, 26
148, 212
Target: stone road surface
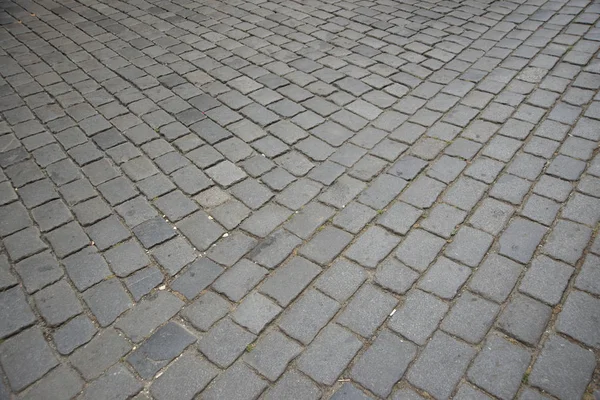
336, 199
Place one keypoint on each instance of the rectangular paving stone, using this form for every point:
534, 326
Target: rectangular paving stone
289, 280
15, 312
341, 279
444, 278
325, 245
567, 241
272, 354
469, 246
354, 217
26, 357
183, 379
419, 249
418, 317
163, 346
57, 303
579, 318
255, 312
197, 277
441, 365
308, 315
384, 363
228, 250
372, 246
495, 278
546, 280
148, 314
491, 216
237, 383
206, 310
470, 318
238, 280
62, 383
367, 310
308, 219
200, 230
547, 375
117, 381
329, 354
99, 354
520, 240
294, 385
499, 356
107, 301
74, 334
525, 319
382, 191
224, 342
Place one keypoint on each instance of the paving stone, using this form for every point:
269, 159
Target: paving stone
37, 193
400, 217
367, 310
342, 191
183, 379
384, 363
136, 211
99, 354
230, 249
294, 385
325, 245
408, 167
546, 376
126, 258
586, 280
206, 310
546, 280
148, 314
510, 188
444, 278
467, 392
470, 318
86, 268
579, 318
107, 301
464, 193
566, 168
224, 342
26, 357
237, 281
160, 348
237, 383
115, 382
525, 319
418, 317
109, 232
309, 219
553, 188
271, 355
372, 246
329, 354
354, 217
491, 216
251, 193
14, 217
520, 240
341, 279
289, 280
75, 333
57, 303
298, 193
197, 276
567, 241
349, 391
62, 383
441, 365
255, 312
419, 249
24, 243
469, 246
16, 312
510, 358
198, 228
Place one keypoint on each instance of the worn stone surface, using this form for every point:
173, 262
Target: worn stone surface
233, 199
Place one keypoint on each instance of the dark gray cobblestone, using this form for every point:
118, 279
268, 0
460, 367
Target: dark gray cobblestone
299, 200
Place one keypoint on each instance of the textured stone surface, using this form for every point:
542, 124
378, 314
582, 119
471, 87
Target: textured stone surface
264, 198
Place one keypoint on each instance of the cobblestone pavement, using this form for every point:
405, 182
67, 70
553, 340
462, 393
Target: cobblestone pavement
343, 199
